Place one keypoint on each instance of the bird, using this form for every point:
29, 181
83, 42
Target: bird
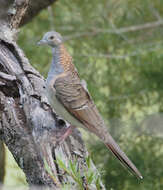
70, 98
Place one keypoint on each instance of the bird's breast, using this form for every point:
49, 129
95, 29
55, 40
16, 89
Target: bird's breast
59, 108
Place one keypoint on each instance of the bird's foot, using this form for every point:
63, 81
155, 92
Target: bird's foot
65, 133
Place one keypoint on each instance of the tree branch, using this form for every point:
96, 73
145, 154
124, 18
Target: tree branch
34, 8
122, 30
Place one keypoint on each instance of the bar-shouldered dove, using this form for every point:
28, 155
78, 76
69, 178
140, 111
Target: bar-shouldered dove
72, 101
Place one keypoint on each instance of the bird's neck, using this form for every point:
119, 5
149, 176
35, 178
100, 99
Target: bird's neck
56, 67
61, 62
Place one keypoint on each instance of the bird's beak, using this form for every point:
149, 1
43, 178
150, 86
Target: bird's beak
41, 42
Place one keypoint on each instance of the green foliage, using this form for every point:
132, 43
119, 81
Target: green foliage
14, 175
48, 169
124, 72
145, 151
73, 170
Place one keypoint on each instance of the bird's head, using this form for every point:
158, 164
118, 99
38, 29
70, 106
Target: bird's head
52, 39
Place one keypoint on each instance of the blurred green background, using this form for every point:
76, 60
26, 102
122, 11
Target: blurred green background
123, 67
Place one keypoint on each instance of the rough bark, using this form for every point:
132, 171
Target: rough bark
35, 6
28, 125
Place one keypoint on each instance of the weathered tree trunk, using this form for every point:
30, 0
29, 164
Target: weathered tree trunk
28, 125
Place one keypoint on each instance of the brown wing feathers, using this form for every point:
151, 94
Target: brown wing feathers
78, 102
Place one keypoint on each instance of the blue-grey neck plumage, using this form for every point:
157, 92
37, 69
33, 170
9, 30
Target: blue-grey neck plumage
56, 66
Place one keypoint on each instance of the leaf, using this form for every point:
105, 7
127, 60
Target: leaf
48, 169
88, 162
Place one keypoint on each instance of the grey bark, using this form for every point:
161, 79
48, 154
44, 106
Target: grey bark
28, 125
34, 7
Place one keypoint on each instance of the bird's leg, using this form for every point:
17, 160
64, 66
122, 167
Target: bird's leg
65, 133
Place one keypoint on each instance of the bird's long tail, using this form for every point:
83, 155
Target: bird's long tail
115, 149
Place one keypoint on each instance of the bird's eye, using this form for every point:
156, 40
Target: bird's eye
51, 37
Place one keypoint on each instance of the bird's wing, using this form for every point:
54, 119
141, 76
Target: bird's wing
76, 99
71, 92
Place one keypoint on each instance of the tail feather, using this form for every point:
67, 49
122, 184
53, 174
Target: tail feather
115, 149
